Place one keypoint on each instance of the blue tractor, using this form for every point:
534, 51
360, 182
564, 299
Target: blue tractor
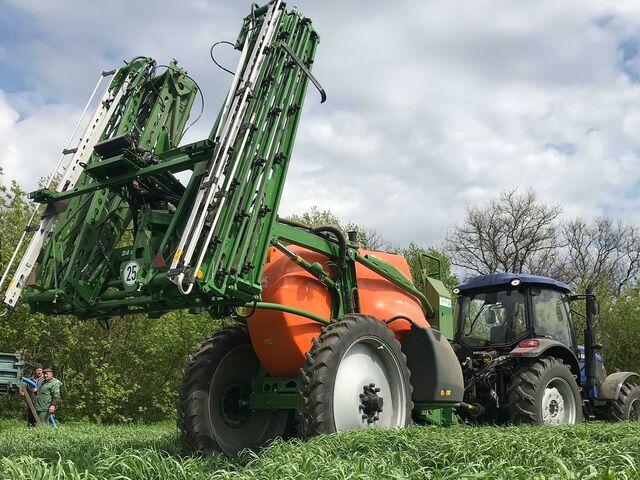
515, 338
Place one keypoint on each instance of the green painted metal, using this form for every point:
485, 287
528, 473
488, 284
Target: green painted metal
113, 246
436, 414
11, 367
440, 298
273, 393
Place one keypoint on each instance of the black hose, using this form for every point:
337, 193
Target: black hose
214, 59
401, 317
342, 244
293, 223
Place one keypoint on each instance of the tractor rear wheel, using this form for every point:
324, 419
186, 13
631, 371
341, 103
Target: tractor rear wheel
213, 405
544, 392
355, 377
627, 405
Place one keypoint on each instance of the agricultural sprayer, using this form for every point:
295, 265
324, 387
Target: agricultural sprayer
330, 336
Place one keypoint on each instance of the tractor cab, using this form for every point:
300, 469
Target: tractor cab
501, 310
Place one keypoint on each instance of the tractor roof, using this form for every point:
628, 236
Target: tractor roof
496, 279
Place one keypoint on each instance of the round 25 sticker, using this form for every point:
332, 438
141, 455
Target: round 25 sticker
130, 273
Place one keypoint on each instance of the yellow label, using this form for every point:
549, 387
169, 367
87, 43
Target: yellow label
298, 259
200, 274
176, 257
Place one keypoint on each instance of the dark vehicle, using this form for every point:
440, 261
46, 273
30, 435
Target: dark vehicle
516, 341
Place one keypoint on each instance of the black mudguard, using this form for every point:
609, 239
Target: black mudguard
436, 374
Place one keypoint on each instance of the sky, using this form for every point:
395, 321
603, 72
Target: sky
433, 105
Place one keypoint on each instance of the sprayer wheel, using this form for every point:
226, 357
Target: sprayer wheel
213, 405
355, 377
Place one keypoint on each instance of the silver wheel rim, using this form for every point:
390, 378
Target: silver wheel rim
234, 425
634, 410
368, 370
558, 403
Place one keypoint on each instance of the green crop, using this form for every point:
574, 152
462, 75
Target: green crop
85, 451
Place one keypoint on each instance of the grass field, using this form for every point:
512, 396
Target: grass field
84, 451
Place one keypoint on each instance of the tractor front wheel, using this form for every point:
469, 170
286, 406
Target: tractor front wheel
355, 377
544, 392
213, 405
627, 405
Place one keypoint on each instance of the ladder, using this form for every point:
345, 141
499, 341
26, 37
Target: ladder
103, 114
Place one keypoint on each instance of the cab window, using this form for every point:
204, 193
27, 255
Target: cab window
492, 318
551, 315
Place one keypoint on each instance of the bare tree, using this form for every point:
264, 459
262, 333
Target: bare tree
513, 233
601, 252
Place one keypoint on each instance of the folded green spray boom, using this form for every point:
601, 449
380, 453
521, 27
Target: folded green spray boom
120, 234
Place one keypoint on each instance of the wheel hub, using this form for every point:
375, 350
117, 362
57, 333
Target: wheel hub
367, 365
234, 404
558, 403
371, 403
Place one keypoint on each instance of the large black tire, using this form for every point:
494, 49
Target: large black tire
373, 385
627, 405
213, 413
532, 398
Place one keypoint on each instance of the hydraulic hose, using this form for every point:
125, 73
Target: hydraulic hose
342, 244
401, 317
29, 382
292, 223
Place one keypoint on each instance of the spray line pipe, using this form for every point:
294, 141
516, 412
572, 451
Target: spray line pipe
64, 154
287, 309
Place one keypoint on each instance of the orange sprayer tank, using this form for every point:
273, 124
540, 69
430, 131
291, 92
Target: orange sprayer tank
281, 339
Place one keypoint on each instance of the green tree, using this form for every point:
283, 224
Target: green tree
413, 253
368, 238
618, 329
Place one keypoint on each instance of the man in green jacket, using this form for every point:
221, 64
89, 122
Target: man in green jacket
48, 396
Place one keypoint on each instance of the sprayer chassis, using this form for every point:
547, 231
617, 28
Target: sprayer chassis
120, 235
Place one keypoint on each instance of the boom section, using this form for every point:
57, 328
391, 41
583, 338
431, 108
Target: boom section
121, 234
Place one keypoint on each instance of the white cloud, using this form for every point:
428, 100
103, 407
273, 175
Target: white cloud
31, 146
432, 105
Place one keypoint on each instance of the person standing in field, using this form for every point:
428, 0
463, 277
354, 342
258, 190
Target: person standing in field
48, 396
38, 378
